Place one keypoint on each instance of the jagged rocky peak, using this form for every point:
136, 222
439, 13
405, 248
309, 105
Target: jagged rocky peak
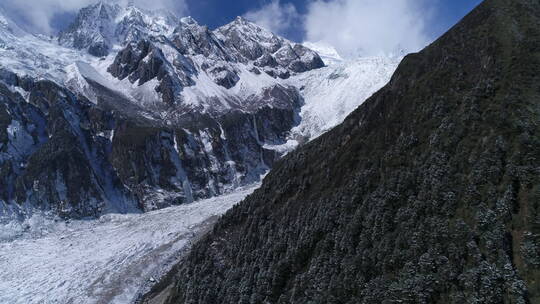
136, 24
251, 40
145, 60
191, 38
266, 49
100, 26
93, 29
193, 55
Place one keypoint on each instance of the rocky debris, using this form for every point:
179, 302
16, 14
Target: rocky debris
428, 193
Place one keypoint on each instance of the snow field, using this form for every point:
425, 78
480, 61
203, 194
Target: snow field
109, 260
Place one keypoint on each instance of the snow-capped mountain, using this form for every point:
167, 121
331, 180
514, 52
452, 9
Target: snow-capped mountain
132, 110
196, 69
98, 28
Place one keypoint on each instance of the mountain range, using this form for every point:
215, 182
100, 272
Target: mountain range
130, 110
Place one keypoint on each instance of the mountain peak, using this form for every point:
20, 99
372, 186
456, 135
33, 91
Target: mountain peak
241, 20
242, 23
100, 26
189, 20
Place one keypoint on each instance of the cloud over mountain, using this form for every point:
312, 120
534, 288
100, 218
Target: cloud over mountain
369, 27
275, 16
39, 15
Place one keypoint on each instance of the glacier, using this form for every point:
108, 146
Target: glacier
333, 92
113, 259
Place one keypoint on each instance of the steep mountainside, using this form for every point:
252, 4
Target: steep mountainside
195, 69
54, 154
428, 193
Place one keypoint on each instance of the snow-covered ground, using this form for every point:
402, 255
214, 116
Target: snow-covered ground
35, 56
110, 260
333, 92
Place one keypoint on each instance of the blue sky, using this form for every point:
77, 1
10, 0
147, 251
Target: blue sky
218, 12
449, 12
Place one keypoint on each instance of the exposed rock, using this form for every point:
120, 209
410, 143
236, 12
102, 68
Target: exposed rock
193, 39
193, 49
53, 158
92, 29
224, 76
145, 61
76, 159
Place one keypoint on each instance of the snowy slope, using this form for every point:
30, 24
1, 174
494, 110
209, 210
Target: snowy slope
333, 92
110, 260
34, 56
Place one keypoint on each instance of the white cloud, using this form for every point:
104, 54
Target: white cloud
275, 16
368, 27
38, 14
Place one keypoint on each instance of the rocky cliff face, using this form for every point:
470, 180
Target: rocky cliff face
428, 193
65, 155
54, 153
